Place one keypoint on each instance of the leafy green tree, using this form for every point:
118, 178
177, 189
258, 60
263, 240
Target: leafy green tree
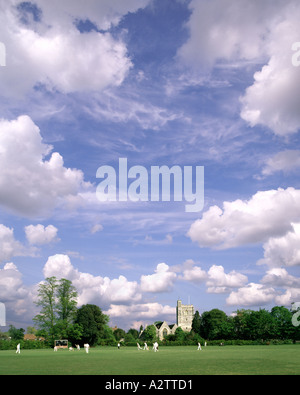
193, 337
149, 334
73, 333
265, 324
255, 325
171, 337
58, 302
211, 324
31, 330
16, 334
4, 336
134, 333
129, 338
240, 323
46, 319
108, 334
66, 303
196, 324
119, 334
93, 323
179, 334
227, 329
282, 322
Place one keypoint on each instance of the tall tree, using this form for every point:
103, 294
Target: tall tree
46, 319
180, 334
16, 334
283, 322
134, 333
149, 333
211, 324
66, 302
93, 322
196, 324
57, 299
119, 334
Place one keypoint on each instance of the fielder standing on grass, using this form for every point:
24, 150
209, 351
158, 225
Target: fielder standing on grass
155, 346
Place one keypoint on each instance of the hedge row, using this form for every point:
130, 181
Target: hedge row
248, 342
25, 344
209, 343
29, 344
105, 342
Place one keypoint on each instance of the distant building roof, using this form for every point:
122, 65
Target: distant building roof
30, 336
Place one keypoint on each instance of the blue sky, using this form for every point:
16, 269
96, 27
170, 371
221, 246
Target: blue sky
159, 82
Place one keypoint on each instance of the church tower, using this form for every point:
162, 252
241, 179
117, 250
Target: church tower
185, 314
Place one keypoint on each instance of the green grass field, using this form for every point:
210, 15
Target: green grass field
227, 360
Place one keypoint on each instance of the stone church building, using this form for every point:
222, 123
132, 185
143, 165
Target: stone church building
184, 319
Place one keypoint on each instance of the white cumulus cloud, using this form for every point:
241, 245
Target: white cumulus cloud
191, 272
17, 297
221, 282
9, 246
285, 161
283, 251
39, 234
33, 181
161, 281
273, 99
225, 33
93, 289
266, 214
44, 46
252, 295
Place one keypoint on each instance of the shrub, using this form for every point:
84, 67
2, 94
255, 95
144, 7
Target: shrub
25, 344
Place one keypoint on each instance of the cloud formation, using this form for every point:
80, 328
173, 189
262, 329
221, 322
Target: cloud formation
161, 281
283, 251
17, 297
252, 295
39, 234
44, 45
266, 214
9, 246
221, 282
30, 184
242, 34
191, 272
285, 161
273, 99
93, 289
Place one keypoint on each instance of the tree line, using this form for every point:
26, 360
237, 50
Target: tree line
60, 318
247, 325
